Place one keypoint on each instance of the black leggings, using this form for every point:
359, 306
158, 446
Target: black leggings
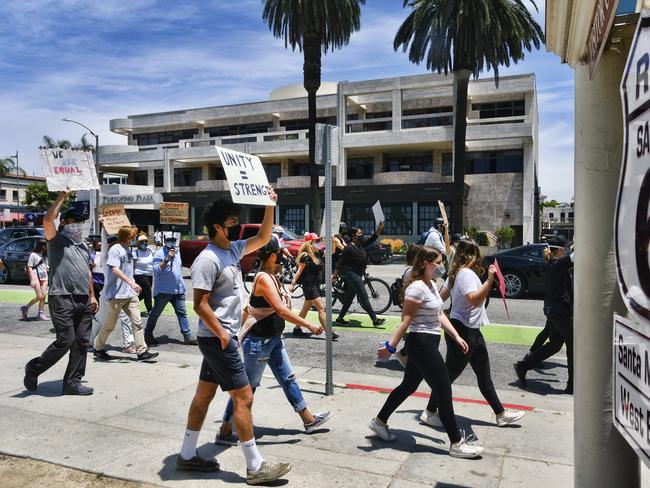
145, 281
425, 362
477, 357
560, 332
542, 337
356, 288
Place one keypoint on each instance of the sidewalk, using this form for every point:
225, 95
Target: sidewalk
132, 428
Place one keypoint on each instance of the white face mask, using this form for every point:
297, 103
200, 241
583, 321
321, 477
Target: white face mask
439, 272
74, 232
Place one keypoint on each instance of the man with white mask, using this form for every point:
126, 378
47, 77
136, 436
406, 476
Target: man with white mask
71, 299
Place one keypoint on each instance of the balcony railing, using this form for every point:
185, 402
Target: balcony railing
267, 137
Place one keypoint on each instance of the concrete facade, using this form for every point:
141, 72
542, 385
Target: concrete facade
395, 133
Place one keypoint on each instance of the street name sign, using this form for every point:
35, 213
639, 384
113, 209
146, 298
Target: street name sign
68, 168
631, 385
174, 213
632, 217
601, 24
246, 177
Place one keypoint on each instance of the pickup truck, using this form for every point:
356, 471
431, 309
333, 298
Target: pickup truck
190, 249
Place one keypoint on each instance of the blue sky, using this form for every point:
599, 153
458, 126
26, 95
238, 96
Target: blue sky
94, 61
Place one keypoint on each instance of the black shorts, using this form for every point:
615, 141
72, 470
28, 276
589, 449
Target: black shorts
223, 367
312, 292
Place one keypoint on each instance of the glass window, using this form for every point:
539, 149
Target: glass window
187, 176
511, 108
302, 169
399, 218
408, 162
166, 137
447, 164
511, 161
303, 124
235, 130
293, 218
551, 215
360, 168
140, 177
217, 173
158, 181
273, 171
427, 213
360, 216
3, 194
536, 253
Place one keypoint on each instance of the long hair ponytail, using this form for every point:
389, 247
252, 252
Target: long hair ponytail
468, 255
308, 249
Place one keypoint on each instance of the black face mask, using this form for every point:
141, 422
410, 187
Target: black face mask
233, 232
359, 239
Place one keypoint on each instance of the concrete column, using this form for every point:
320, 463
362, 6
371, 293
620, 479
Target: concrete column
602, 458
528, 198
397, 109
342, 168
168, 172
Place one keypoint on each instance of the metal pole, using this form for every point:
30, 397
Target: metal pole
97, 192
329, 376
18, 185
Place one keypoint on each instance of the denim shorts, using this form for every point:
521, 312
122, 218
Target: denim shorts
222, 366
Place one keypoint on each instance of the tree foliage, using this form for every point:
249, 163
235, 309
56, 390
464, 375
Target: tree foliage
39, 198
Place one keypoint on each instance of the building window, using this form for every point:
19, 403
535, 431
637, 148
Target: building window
512, 108
403, 162
187, 176
360, 216
562, 217
16, 197
303, 124
486, 162
570, 216
293, 218
360, 168
399, 219
114, 179
427, 213
3, 195
167, 137
217, 173
447, 164
158, 180
140, 177
551, 215
302, 169
273, 172
433, 121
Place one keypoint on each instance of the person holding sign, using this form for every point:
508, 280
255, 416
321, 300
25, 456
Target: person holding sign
217, 282
352, 265
468, 314
71, 300
121, 293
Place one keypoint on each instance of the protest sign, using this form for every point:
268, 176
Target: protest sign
174, 213
337, 213
378, 212
67, 168
443, 214
246, 177
502, 285
113, 217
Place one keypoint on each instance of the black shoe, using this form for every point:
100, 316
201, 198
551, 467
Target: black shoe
78, 390
144, 314
378, 322
145, 356
342, 321
298, 332
103, 355
521, 372
335, 336
197, 463
150, 340
30, 382
190, 340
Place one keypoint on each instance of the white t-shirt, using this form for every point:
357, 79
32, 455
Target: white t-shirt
427, 318
38, 264
466, 282
114, 287
436, 240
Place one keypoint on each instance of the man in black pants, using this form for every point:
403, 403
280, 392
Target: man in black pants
71, 300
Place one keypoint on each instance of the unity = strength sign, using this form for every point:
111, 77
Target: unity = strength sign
246, 177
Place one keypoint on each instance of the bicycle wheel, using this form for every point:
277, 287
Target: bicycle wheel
378, 294
248, 280
297, 292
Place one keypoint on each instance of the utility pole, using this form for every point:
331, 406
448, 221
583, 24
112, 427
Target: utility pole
17, 184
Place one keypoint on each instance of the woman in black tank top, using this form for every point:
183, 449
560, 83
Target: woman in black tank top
262, 344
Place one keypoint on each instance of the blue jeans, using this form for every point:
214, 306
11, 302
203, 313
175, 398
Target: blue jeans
160, 301
260, 351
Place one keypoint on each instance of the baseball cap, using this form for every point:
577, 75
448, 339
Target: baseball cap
311, 236
558, 240
75, 213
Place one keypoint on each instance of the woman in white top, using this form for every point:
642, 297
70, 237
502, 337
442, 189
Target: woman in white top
468, 314
37, 268
143, 272
424, 317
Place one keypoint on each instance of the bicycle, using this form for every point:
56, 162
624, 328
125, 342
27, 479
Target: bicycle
289, 269
378, 291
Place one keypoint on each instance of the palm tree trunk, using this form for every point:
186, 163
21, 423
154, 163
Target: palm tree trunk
311, 71
461, 82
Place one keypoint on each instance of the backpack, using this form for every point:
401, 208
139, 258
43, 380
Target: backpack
423, 238
396, 291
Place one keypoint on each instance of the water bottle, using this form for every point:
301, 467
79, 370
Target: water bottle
382, 345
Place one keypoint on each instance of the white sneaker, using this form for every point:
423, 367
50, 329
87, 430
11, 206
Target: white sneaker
465, 449
382, 431
319, 419
431, 419
509, 417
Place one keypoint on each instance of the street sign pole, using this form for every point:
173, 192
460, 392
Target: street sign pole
329, 376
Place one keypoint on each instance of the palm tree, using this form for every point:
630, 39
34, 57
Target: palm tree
50, 143
84, 145
8, 168
314, 27
463, 37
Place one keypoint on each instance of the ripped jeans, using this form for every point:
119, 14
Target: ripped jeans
260, 351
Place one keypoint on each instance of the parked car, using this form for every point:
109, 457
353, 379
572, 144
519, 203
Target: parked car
14, 255
522, 268
11, 233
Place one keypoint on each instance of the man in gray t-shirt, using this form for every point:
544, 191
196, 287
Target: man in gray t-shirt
71, 299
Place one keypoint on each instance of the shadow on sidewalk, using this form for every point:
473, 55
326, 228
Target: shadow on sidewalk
540, 387
48, 389
168, 472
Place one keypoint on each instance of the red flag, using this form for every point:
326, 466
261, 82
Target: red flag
502, 285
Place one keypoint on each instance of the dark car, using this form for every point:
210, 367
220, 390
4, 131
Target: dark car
522, 268
11, 233
14, 255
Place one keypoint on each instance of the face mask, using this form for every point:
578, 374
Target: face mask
74, 232
170, 244
142, 245
359, 238
439, 271
233, 232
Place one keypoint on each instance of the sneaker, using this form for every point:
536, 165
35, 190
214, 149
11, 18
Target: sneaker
150, 340
509, 417
342, 321
197, 463
402, 358
521, 372
146, 356
144, 314
42, 316
129, 350
319, 419
378, 322
103, 355
465, 449
30, 381
268, 472
23, 311
226, 440
431, 419
190, 340
80, 390
298, 332
335, 336
382, 431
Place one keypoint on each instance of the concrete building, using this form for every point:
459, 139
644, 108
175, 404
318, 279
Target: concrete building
395, 145
558, 220
12, 197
